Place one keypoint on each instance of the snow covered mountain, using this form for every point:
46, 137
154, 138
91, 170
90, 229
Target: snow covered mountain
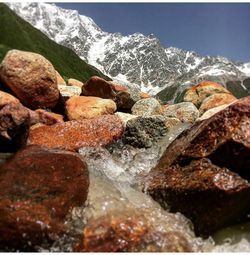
136, 59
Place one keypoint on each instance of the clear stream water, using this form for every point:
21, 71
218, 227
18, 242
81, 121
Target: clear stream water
113, 187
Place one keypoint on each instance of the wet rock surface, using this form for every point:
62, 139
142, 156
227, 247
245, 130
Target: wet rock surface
38, 187
212, 197
129, 231
223, 140
31, 77
73, 135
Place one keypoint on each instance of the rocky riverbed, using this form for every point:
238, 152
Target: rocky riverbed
96, 166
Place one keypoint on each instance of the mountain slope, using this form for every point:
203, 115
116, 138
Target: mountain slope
16, 33
137, 59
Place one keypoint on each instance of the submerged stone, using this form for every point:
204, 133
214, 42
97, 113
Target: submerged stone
38, 187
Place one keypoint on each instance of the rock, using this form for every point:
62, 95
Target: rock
59, 79
144, 95
224, 138
212, 197
98, 87
73, 135
185, 112
126, 232
143, 132
171, 122
125, 100
118, 87
44, 117
199, 92
74, 82
146, 107
14, 126
31, 77
212, 112
67, 92
221, 146
125, 117
82, 107
216, 100
6, 98
38, 188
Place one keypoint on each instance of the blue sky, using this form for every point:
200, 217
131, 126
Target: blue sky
207, 28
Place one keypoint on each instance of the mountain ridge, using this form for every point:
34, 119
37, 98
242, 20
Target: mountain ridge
136, 60
16, 33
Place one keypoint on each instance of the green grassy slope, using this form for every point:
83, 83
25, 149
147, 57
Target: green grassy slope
16, 33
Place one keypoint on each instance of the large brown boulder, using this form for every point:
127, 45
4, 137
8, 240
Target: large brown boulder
82, 107
38, 188
98, 87
212, 197
196, 94
31, 77
223, 141
125, 232
14, 126
73, 135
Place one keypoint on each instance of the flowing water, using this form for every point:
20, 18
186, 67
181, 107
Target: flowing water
114, 188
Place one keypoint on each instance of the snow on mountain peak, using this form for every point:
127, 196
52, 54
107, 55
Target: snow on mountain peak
134, 59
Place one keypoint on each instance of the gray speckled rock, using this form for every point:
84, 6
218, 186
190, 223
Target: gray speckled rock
143, 132
185, 112
146, 107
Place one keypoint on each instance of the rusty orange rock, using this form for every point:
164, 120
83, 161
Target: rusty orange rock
73, 135
196, 94
216, 100
83, 107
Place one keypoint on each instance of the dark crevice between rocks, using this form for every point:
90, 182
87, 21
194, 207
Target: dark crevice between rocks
234, 156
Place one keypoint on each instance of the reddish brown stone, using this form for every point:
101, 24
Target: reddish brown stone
98, 87
224, 138
38, 187
221, 144
14, 126
44, 117
73, 135
6, 98
123, 232
31, 77
212, 197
